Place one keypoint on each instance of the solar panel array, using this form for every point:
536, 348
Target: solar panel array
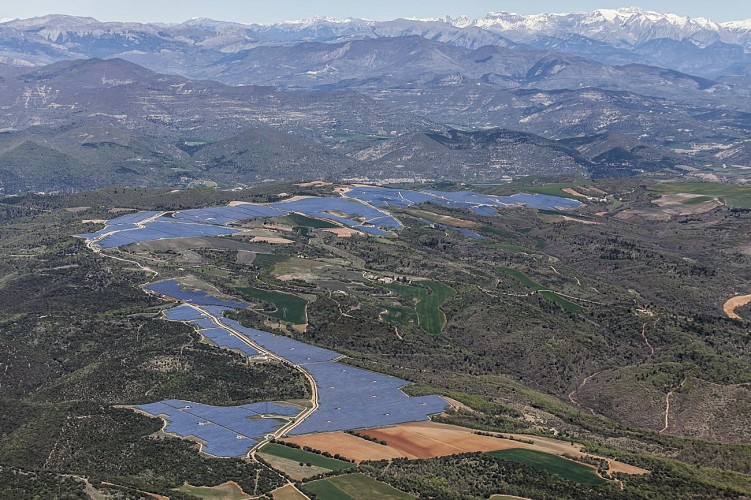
176, 290
362, 217
353, 398
229, 431
348, 397
360, 210
481, 204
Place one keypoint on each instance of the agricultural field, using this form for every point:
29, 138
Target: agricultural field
306, 457
424, 440
287, 492
428, 296
353, 487
288, 307
731, 195
226, 491
567, 469
304, 221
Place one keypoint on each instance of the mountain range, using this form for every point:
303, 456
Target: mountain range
619, 36
608, 93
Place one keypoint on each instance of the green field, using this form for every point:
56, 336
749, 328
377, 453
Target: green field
304, 221
430, 295
400, 314
298, 455
551, 296
494, 231
551, 188
289, 307
354, 487
733, 196
567, 469
508, 247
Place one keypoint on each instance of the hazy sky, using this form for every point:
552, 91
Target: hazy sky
265, 11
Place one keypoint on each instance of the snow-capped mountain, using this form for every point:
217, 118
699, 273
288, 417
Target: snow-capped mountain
619, 27
611, 36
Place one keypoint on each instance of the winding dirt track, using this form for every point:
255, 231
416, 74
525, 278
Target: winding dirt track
667, 405
644, 335
732, 304
572, 394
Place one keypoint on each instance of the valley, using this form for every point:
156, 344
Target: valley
506, 375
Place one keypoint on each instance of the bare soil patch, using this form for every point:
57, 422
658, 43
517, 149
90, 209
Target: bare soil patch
271, 240
732, 304
278, 227
293, 469
245, 258
457, 404
352, 447
573, 192
442, 219
580, 221
314, 184
343, 232
301, 328
295, 198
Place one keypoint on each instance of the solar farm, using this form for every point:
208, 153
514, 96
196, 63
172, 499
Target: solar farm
347, 397
362, 208
223, 431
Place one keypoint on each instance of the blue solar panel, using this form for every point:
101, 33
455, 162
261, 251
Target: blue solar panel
224, 338
132, 218
348, 397
361, 206
293, 350
268, 408
204, 323
226, 431
175, 289
469, 233
183, 313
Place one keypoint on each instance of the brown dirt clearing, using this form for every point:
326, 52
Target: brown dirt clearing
442, 219
271, 240
342, 232
732, 304
350, 446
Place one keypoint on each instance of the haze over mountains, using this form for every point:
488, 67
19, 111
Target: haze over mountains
611, 92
